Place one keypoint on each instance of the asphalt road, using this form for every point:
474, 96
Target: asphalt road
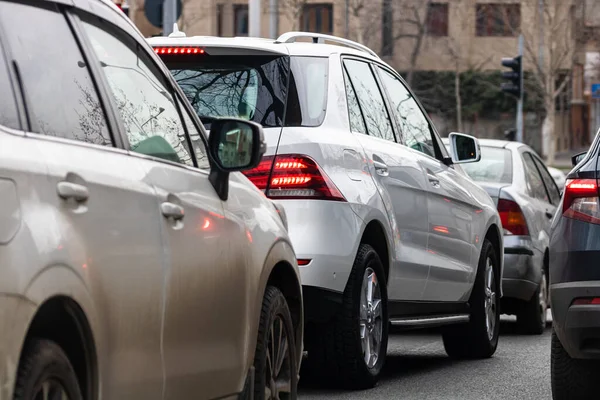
417, 368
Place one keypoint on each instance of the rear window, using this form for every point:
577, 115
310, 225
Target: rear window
253, 87
495, 166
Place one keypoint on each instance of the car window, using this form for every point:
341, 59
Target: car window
370, 99
548, 181
495, 166
143, 99
357, 122
415, 129
534, 180
60, 94
196, 138
9, 116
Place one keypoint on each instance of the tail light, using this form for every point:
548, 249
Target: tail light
580, 200
293, 176
512, 218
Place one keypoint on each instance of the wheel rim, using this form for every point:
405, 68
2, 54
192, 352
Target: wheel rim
543, 299
51, 390
278, 379
490, 299
371, 321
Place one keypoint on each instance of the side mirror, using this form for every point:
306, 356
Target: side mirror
576, 159
464, 148
234, 145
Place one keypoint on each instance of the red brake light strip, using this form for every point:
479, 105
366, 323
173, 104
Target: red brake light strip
178, 50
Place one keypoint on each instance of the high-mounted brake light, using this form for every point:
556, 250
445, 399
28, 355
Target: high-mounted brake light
512, 218
293, 176
178, 50
580, 200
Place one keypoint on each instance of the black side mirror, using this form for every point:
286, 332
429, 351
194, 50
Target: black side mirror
576, 159
234, 145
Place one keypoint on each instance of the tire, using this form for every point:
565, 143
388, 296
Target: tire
572, 379
275, 324
335, 349
472, 340
531, 318
44, 363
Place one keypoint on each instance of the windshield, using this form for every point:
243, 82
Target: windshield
495, 166
254, 88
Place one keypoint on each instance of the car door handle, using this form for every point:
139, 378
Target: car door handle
171, 210
69, 190
381, 168
549, 215
435, 182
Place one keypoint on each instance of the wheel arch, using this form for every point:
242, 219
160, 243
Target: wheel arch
375, 235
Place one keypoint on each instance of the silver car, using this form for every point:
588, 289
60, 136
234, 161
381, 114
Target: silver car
384, 225
526, 196
135, 262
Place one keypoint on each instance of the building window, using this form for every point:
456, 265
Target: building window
219, 19
498, 19
437, 19
240, 20
317, 18
387, 34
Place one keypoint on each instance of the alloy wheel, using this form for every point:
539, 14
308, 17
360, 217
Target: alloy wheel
491, 307
51, 390
371, 323
278, 372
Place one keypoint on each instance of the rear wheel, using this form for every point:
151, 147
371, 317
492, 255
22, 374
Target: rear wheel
532, 316
572, 379
351, 349
275, 361
45, 373
479, 337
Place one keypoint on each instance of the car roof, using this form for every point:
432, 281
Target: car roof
258, 45
505, 144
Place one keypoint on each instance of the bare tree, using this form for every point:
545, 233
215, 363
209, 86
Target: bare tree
550, 47
292, 9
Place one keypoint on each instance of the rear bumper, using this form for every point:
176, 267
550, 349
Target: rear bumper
15, 314
328, 234
522, 269
577, 326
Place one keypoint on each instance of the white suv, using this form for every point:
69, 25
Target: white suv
384, 227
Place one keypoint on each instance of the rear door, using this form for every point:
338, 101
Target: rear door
400, 178
204, 311
551, 189
542, 207
100, 218
452, 221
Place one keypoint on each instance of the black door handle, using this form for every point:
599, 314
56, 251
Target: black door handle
549, 215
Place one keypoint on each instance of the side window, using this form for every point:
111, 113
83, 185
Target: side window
196, 138
60, 95
144, 101
9, 115
415, 128
534, 180
357, 122
370, 99
548, 181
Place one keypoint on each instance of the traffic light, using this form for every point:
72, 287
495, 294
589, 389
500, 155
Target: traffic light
514, 85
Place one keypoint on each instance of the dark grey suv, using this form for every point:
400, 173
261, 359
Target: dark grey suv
575, 282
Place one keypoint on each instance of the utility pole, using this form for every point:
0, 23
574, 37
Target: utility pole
169, 16
254, 18
541, 33
347, 19
273, 19
520, 101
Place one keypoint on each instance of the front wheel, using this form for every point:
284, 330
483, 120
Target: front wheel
275, 362
479, 337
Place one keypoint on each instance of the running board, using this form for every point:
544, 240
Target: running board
417, 322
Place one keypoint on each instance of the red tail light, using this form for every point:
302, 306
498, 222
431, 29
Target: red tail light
179, 50
293, 176
512, 218
580, 200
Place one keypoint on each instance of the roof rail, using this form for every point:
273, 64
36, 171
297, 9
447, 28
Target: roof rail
290, 37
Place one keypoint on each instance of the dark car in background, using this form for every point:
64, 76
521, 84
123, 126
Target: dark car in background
575, 283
